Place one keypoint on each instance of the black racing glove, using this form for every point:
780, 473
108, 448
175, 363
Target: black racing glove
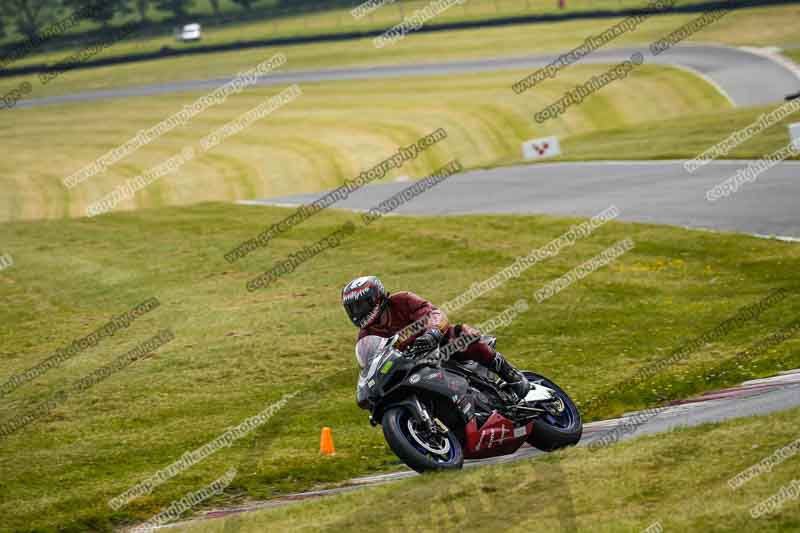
427, 342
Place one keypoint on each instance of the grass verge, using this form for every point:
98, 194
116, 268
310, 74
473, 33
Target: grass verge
347, 127
680, 138
236, 352
793, 54
625, 488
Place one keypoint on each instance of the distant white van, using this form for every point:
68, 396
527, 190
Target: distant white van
189, 32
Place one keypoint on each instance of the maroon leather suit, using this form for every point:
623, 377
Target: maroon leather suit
406, 308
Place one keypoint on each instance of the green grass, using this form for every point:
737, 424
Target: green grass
680, 138
347, 127
757, 27
236, 352
678, 479
793, 54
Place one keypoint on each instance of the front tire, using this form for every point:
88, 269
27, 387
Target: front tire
552, 432
421, 453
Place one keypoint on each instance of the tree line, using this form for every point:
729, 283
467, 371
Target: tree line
28, 17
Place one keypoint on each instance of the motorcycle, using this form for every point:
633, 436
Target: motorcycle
436, 412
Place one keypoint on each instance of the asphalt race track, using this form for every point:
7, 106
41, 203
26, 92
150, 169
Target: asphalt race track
747, 78
760, 396
659, 192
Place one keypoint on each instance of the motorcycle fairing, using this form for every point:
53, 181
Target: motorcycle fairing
539, 393
437, 381
497, 436
440, 382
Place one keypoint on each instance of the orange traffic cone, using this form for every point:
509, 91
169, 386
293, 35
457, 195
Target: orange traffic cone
326, 442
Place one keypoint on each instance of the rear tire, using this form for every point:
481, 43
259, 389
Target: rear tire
398, 436
551, 433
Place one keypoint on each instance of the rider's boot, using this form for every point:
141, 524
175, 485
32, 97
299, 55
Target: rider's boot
517, 382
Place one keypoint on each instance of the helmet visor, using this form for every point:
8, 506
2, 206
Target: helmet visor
360, 309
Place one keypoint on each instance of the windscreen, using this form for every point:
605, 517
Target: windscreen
367, 348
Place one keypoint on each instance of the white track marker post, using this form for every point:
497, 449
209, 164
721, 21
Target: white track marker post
794, 134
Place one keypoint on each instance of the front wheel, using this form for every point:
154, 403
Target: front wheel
420, 449
561, 425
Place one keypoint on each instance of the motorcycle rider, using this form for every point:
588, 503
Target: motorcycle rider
422, 326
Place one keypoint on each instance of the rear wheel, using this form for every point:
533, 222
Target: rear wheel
419, 448
561, 425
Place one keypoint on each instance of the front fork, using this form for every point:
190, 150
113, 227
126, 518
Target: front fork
421, 415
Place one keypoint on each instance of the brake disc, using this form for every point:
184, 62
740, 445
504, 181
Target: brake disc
442, 449
556, 407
